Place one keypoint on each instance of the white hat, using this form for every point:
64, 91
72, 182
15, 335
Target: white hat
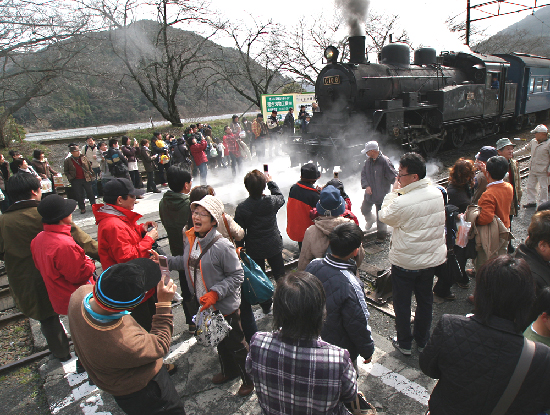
213, 205
371, 145
541, 128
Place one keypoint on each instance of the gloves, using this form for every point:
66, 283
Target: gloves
208, 300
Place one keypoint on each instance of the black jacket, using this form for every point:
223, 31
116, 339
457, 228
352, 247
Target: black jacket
461, 197
346, 323
474, 363
539, 267
258, 217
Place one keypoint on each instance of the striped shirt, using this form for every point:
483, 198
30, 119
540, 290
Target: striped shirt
300, 376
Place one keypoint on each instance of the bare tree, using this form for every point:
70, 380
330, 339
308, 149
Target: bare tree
37, 45
458, 24
301, 50
251, 68
158, 56
379, 27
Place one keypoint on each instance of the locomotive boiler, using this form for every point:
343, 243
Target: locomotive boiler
448, 99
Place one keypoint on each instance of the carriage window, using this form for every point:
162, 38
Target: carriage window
492, 81
545, 84
538, 85
532, 85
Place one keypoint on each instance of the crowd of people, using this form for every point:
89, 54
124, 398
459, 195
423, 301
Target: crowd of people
121, 318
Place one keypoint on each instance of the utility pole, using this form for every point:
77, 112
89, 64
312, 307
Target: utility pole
468, 23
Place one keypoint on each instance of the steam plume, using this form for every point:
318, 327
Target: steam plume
355, 13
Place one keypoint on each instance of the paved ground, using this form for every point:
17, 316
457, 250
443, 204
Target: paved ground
392, 382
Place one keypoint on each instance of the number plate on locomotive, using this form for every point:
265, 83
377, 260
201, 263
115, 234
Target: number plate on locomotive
331, 80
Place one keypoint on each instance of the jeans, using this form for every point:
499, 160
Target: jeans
151, 186
55, 335
158, 397
235, 164
203, 170
405, 282
162, 175
97, 172
134, 177
79, 186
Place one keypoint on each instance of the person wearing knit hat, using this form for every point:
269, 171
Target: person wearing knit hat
214, 273
539, 167
331, 206
121, 357
377, 176
303, 197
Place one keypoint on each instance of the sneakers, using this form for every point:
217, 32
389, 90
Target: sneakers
405, 352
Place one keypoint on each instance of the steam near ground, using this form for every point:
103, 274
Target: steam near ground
232, 191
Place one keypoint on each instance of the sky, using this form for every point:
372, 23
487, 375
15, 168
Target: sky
422, 19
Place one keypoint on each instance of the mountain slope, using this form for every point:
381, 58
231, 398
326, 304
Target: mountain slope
103, 93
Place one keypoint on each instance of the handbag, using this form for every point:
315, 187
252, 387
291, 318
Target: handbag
213, 152
212, 328
256, 287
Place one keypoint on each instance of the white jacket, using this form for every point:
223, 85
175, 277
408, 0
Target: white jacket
417, 214
540, 155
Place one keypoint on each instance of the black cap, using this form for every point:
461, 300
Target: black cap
310, 171
121, 285
486, 153
54, 208
121, 187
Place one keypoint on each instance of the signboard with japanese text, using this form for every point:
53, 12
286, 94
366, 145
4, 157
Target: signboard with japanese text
281, 103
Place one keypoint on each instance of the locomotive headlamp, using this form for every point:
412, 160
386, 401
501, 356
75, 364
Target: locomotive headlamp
331, 54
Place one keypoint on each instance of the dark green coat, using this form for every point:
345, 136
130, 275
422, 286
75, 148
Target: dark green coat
18, 227
174, 212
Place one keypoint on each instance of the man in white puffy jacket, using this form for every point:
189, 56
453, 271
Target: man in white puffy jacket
416, 211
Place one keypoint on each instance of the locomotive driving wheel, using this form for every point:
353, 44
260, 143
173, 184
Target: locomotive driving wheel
458, 139
430, 147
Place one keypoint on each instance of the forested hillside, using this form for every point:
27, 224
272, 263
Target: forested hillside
102, 92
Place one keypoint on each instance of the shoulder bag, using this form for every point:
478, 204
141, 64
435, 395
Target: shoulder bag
522, 367
256, 287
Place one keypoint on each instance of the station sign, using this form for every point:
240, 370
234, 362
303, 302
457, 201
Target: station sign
281, 103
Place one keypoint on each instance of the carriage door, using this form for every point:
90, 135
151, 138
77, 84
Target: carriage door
492, 92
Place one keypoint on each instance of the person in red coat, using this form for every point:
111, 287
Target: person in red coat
120, 239
302, 198
61, 261
197, 151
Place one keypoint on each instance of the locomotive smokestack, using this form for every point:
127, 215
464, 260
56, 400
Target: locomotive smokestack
357, 49
355, 13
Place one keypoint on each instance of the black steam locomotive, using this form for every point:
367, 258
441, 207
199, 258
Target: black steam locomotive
441, 100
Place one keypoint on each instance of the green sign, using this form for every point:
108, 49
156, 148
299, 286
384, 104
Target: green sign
278, 102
